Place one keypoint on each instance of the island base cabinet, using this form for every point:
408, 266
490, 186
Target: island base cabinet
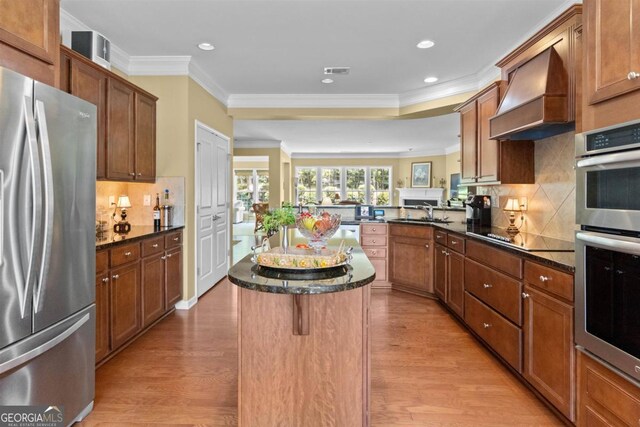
317, 379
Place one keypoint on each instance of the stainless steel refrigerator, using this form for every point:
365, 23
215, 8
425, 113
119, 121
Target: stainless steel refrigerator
47, 247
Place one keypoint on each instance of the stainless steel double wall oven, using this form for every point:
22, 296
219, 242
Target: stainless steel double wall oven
608, 245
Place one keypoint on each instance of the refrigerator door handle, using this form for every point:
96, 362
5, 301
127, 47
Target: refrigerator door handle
33, 353
2, 204
47, 172
36, 213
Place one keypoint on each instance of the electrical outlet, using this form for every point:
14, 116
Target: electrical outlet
147, 200
112, 200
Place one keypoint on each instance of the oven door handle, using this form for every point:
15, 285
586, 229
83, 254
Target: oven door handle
607, 159
624, 244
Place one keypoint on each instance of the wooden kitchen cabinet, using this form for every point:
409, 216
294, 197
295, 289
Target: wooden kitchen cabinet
440, 272
484, 160
449, 270
145, 138
411, 252
153, 288
373, 239
173, 277
125, 303
103, 328
30, 38
549, 354
120, 131
605, 398
455, 282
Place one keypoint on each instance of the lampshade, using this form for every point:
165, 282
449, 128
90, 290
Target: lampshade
512, 205
123, 202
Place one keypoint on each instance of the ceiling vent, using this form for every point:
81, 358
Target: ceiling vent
337, 70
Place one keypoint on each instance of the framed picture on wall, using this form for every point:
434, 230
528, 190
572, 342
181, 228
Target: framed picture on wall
421, 174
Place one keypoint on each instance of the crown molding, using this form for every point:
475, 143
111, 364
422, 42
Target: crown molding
372, 155
452, 149
313, 101
251, 158
262, 143
200, 76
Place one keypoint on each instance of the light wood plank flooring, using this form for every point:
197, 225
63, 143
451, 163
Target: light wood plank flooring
426, 371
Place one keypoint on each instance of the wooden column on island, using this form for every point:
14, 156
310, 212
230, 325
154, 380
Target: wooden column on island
304, 346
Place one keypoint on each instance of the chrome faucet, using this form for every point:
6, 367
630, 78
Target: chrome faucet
429, 208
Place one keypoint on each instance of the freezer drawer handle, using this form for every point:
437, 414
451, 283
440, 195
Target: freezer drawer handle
32, 354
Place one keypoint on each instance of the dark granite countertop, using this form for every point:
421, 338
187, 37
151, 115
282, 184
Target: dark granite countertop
360, 272
564, 260
138, 232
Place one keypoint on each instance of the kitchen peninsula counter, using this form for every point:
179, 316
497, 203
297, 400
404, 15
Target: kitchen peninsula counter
304, 344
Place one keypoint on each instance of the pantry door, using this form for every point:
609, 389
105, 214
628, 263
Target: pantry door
212, 202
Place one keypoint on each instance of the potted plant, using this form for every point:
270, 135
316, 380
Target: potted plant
279, 217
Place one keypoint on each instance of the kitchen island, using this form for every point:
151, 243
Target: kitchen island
303, 345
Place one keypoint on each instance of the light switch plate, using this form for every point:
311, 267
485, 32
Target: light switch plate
146, 200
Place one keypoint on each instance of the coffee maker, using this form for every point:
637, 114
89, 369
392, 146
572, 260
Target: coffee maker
479, 210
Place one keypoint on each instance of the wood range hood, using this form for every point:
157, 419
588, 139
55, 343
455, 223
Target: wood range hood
535, 105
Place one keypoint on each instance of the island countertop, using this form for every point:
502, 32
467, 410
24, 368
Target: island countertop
358, 273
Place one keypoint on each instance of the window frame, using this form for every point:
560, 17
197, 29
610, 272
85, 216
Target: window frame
255, 194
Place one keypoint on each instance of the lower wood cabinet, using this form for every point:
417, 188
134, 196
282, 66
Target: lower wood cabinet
440, 272
373, 238
411, 252
455, 282
448, 278
136, 284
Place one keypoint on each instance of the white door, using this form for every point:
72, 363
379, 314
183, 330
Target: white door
212, 158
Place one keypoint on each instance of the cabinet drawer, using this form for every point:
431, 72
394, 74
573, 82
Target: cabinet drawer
173, 239
375, 252
125, 254
378, 229
549, 279
380, 266
496, 258
602, 388
102, 261
374, 240
456, 243
499, 333
501, 292
152, 246
440, 237
417, 231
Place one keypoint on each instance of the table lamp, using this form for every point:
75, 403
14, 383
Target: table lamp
122, 226
512, 206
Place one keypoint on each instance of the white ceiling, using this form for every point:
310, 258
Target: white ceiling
272, 53
354, 137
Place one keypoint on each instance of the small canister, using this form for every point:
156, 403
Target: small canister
166, 217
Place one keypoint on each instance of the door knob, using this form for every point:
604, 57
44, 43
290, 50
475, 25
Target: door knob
632, 75
115, 276
486, 325
105, 280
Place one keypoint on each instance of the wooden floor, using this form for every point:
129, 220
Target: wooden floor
426, 371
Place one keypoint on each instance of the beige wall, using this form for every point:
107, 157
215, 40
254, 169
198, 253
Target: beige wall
250, 165
275, 176
552, 199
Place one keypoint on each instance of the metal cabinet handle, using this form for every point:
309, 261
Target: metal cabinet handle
487, 285
132, 173
444, 252
115, 276
175, 239
525, 295
163, 257
632, 75
127, 254
373, 241
426, 246
486, 325
139, 173
544, 279
155, 245
373, 229
374, 252
105, 279
168, 255
453, 242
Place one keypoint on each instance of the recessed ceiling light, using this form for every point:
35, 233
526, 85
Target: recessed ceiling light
206, 46
327, 81
425, 44
431, 80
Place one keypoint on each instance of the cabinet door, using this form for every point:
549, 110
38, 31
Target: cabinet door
145, 137
120, 131
30, 38
487, 148
173, 278
411, 263
549, 358
90, 84
125, 303
455, 282
440, 272
153, 298
612, 48
468, 143
102, 316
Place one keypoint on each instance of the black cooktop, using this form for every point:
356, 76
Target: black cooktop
524, 241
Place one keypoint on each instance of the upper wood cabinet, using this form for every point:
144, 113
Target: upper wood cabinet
126, 145
30, 38
485, 160
613, 48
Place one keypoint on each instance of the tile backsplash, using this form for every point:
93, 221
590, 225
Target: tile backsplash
139, 214
552, 199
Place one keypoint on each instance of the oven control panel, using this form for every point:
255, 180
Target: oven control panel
614, 138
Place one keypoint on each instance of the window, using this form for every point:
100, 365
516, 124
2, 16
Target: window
369, 185
251, 186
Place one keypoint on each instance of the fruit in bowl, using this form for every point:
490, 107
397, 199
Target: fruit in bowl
317, 228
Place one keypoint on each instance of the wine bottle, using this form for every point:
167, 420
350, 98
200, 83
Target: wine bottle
156, 213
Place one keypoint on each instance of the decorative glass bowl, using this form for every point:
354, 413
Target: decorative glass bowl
317, 228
